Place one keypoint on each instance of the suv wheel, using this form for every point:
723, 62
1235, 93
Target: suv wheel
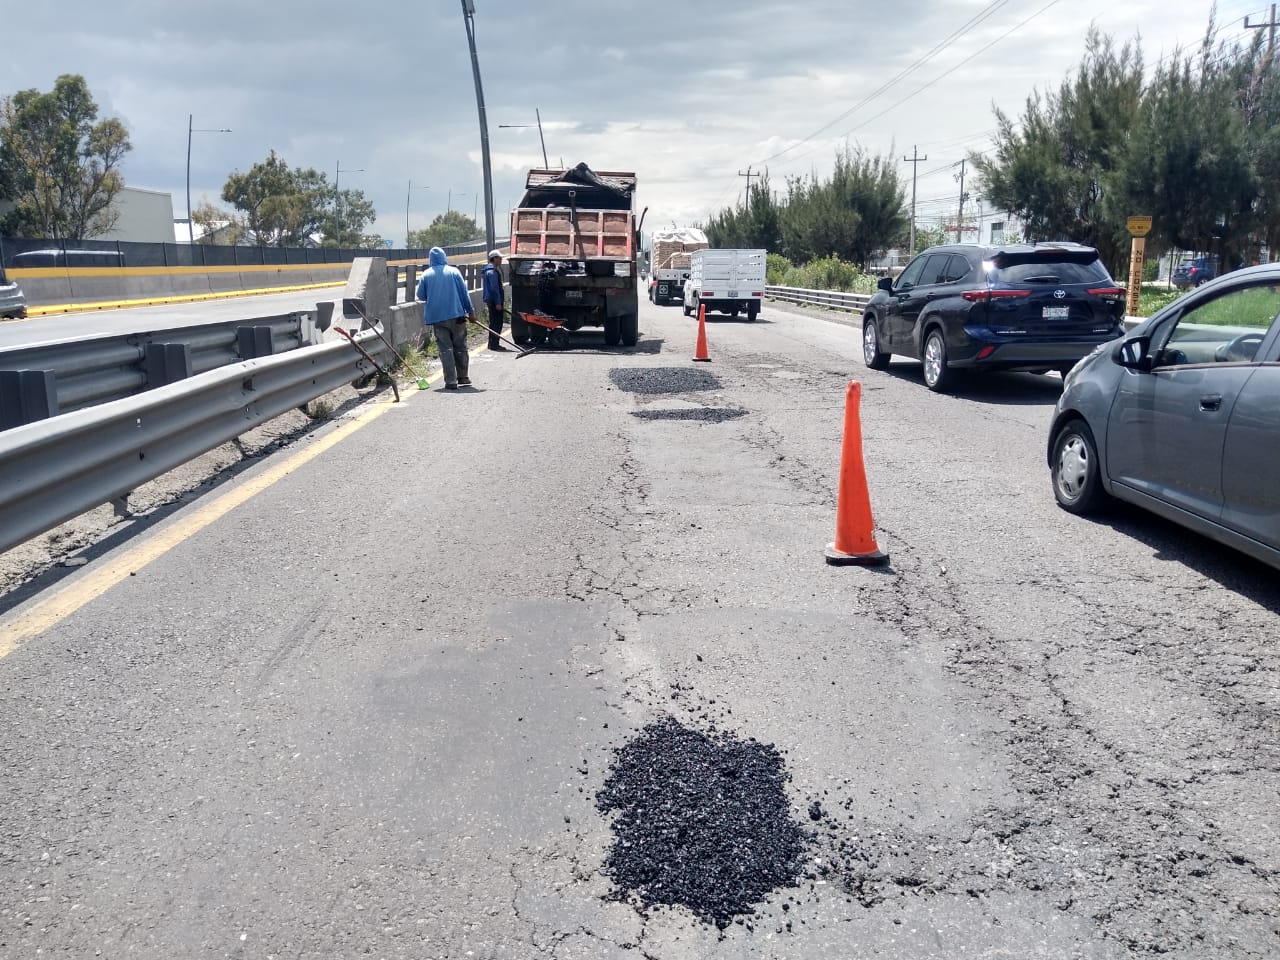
871, 353
1074, 464
937, 376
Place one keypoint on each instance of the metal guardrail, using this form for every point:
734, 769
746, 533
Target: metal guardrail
46, 380
825, 298
57, 469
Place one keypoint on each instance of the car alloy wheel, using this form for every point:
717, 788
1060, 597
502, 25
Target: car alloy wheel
936, 373
871, 353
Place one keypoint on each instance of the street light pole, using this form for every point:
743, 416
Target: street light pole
191, 233
406, 212
337, 201
468, 17
541, 139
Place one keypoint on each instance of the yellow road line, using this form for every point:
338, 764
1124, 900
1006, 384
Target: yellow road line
48, 612
184, 298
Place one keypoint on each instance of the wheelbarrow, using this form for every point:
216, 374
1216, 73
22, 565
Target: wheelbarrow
556, 332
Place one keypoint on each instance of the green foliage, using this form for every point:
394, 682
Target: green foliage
829, 273
59, 164
754, 224
1153, 299
1195, 144
855, 214
218, 227
282, 206
1150, 270
776, 268
446, 230
1053, 168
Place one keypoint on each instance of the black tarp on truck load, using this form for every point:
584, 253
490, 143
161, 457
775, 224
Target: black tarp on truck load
592, 191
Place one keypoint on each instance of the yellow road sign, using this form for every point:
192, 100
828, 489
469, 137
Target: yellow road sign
1139, 226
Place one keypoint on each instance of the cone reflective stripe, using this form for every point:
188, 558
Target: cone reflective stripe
701, 352
855, 541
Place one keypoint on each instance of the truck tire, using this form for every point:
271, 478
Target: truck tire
612, 331
629, 324
753, 311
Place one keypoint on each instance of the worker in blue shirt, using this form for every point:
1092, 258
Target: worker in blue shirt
492, 295
446, 308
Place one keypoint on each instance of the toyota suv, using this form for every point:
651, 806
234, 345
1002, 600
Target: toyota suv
13, 305
1035, 307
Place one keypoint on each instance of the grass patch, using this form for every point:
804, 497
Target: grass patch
319, 409
1153, 298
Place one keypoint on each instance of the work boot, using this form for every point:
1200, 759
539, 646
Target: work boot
464, 381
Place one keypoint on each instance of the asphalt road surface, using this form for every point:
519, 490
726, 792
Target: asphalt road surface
367, 711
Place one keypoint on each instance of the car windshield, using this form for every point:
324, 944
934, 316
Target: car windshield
1048, 271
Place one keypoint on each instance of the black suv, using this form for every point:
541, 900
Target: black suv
1037, 307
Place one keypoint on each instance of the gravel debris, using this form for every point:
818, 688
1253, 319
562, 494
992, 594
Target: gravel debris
703, 821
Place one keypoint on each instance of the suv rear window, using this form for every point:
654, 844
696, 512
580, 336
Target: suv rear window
1061, 271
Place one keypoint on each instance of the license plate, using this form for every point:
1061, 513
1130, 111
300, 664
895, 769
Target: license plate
732, 294
573, 294
1057, 313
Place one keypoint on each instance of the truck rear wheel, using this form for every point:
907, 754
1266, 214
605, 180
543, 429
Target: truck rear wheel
612, 331
630, 329
753, 311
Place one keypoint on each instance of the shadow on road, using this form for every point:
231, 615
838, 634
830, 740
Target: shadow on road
1010, 389
1169, 541
593, 342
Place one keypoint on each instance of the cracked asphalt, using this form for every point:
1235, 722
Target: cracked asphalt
368, 712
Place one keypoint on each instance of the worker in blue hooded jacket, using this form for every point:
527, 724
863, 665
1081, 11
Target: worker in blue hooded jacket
446, 308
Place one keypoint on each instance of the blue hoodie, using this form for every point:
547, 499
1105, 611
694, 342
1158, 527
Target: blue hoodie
442, 291
492, 278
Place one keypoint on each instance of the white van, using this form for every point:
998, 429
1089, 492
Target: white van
726, 281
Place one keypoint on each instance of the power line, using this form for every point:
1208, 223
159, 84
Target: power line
969, 25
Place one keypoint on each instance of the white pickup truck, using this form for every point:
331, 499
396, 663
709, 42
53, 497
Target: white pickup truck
726, 281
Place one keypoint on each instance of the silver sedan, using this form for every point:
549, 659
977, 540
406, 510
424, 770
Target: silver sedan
1182, 416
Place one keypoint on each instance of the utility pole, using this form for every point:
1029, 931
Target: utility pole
468, 16
1270, 25
748, 175
960, 218
915, 160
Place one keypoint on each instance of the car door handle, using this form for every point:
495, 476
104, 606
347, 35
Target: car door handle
1211, 403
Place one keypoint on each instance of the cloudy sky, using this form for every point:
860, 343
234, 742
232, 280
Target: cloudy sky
686, 93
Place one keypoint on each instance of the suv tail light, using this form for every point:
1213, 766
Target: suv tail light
1109, 292
986, 296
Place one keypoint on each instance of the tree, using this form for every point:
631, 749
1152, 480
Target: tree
854, 215
283, 206
59, 164
446, 230
218, 227
1055, 172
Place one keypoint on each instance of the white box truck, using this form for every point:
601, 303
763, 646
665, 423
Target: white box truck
726, 281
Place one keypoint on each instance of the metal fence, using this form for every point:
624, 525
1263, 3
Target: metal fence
57, 469
34, 252
46, 380
853, 302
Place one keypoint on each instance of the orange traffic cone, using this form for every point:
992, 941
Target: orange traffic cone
855, 541
701, 352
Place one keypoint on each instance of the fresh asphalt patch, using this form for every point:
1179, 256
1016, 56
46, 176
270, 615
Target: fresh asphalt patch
660, 380
702, 821
699, 414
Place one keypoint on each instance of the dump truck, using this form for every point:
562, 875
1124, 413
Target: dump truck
574, 246
669, 262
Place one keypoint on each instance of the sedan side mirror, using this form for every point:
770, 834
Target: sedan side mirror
1132, 354
885, 283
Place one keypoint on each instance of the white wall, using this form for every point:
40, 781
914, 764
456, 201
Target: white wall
146, 216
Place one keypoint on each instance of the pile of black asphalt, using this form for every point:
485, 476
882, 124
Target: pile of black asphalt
702, 821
